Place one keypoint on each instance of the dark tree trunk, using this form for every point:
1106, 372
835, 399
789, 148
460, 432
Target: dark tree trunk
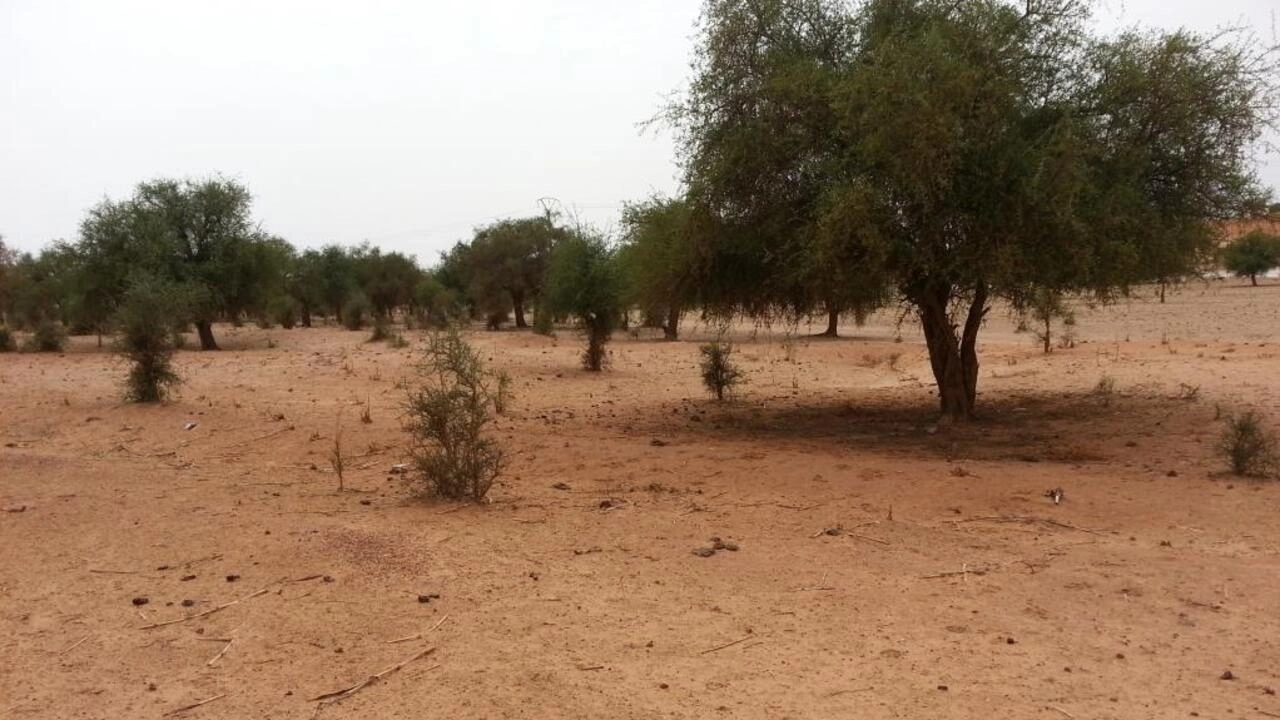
205, 330
954, 360
1254, 279
1162, 289
517, 307
833, 324
306, 317
671, 331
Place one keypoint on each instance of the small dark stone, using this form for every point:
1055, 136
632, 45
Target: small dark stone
1172, 473
606, 504
366, 502
1010, 641
163, 567
1119, 656
151, 687
664, 686
338, 650
428, 597
1269, 690
943, 688
327, 578
187, 578
656, 442
233, 578
140, 601
188, 602
560, 486
1228, 675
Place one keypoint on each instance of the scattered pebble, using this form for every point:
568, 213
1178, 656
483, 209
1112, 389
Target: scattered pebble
140, 601
232, 578
188, 603
560, 486
187, 578
428, 597
1228, 675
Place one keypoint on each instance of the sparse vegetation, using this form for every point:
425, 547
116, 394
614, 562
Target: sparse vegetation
7, 343
356, 311
720, 375
48, 336
337, 460
1248, 446
1043, 308
145, 320
1105, 390
447, 419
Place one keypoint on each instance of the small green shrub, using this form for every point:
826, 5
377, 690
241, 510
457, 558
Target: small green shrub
145, 322
720, 374
1250, 450
447, 419
543, 322
7, 343
48, 336
381, 329
356, 311
284, 311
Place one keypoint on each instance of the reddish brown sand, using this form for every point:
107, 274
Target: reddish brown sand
1157, 573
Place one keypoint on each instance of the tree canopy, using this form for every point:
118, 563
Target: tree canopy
956, 153
1253, 254
656, 260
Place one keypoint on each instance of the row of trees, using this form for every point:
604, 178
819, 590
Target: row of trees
199, 240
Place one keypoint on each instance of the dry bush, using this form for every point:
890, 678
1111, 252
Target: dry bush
1248, 447
6, 340
720, 374
447, 418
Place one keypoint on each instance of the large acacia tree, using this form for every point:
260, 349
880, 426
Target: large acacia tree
508, 260
958, 152
198, 235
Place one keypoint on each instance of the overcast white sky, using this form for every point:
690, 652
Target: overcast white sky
405, 123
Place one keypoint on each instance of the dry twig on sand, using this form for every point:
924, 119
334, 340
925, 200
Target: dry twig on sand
1025, 519
208, 612
338, 695
193, 706
726, 645
73, 647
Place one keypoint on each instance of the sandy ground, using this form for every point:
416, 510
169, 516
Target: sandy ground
953, 589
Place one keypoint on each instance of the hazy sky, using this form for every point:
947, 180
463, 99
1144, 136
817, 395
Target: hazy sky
404, 123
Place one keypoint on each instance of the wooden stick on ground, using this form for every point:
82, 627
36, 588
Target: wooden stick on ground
337, 695
726, 645
1060, 710
193, 706
1026, 519
956, 573
208, 612
73, 647
221, 652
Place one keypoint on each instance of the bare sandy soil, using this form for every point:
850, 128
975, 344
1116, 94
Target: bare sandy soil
950, 587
